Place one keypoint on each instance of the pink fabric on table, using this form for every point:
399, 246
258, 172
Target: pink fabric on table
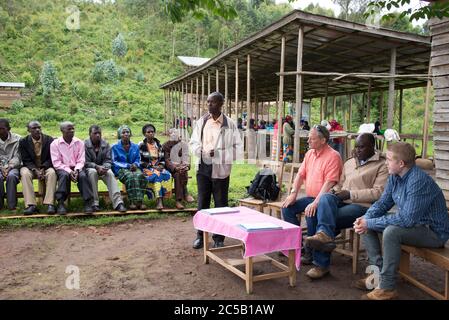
256, 242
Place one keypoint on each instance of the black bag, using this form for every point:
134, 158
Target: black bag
264, 186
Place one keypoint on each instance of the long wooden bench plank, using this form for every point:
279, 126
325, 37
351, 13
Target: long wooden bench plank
439, 257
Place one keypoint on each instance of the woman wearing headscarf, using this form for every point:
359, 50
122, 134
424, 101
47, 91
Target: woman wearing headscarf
159, 180
126, 167
287, 141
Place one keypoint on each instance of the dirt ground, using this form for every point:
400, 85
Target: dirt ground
154, 260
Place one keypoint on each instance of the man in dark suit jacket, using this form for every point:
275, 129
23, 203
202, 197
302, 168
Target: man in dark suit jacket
35, 152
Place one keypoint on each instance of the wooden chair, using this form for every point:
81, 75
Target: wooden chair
353, 240
275, 208
257, 204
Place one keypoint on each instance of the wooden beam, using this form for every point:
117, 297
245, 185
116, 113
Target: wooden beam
391, 90
197, 100
202, 96
281, 99
236, 99
381, 108
217, 81
368, 103
350, 113
426, 118
208, 83
226, 90
248, 93
334, 107
401, 104
299, 95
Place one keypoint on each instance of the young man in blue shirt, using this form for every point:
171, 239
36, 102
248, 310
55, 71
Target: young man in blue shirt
421, 219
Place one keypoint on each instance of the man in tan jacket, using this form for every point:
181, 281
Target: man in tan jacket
361, 184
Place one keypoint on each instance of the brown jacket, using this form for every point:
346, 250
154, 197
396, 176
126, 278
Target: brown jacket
365, 183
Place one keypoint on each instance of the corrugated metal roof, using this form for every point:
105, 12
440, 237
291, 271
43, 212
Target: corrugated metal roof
12, 84
193, 61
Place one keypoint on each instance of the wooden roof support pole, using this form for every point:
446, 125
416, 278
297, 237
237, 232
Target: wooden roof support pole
391, 90
321, 109
334, 106
201, 106
381, 108
425, 133
281, 98
401, 105
183, 105
192, 103
236, 100
217, 81
197, 107
165, 111
299, 95
368, 103
208, 83
350, 113
325, 100
248, 92
178, 107
226, 93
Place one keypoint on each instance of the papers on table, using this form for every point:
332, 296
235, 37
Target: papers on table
220, 210
259, 226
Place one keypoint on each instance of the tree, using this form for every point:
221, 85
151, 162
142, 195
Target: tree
316, 9
178, 9
119, 47
49, 79
434, 9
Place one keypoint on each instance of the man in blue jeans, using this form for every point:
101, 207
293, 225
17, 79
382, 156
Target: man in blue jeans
421, 219
361, 184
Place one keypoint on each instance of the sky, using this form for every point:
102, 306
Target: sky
301, 4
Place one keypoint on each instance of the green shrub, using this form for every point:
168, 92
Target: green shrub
17, 106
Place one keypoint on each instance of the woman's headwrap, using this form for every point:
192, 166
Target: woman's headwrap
120, 130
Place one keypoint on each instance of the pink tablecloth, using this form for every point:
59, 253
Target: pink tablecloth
256, 242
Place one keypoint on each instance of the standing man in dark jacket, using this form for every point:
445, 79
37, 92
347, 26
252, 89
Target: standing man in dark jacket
98, 165
35, 152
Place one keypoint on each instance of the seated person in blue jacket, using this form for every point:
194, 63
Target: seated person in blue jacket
126, 167
153, 166
421, 219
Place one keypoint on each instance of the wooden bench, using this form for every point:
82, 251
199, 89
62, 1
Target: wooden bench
438, 257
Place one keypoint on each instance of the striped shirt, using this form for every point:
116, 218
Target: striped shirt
419, 201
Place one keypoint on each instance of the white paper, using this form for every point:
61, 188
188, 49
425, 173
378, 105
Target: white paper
220, 210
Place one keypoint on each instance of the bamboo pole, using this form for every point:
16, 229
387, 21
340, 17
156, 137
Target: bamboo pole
281, 98
391, 89
299, 95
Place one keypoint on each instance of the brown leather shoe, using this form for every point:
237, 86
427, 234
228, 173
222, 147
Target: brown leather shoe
189, 199
321, 242
380, 294
179, 205
361, 284
317, 273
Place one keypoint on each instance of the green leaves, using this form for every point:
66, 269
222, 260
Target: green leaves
178, 9
432, 10
49, 79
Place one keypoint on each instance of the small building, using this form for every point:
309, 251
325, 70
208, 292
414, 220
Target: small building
9, 92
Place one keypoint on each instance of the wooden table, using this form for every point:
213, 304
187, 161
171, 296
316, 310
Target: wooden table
234, 231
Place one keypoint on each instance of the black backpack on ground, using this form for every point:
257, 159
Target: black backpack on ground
264, 186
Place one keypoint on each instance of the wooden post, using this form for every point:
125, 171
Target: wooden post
226, 95
334, 105
217, 81
248, 93
368, 103
391, 90
321, 109
197, 99
190, 114
202, 97
236, 102
165, 111
183, 106
350, 113
381, 109
325, 100
299, 84
208, 83
178, 113
281, 98
425, 134
400, 108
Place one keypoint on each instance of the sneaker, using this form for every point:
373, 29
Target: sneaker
121, 208
30, 210
380, 294
317, 272
61, 208
198, 243
361, 284
320, 242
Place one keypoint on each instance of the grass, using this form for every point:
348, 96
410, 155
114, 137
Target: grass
241, 176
